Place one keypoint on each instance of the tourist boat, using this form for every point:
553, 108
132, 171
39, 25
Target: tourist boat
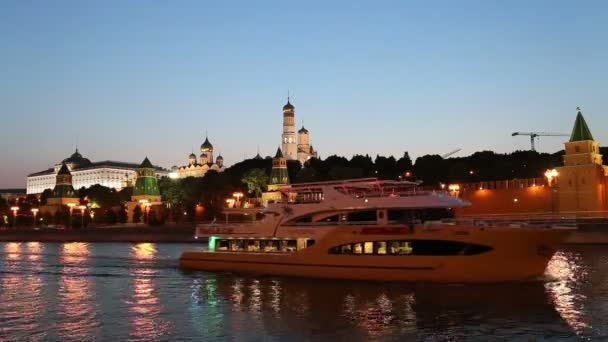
370, 229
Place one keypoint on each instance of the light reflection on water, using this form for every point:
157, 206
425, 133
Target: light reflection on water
113, 291
144, 305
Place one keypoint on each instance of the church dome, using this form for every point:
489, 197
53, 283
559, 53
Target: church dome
206, 146
220, 157
192, 156
288, 106
77, 159
303, 130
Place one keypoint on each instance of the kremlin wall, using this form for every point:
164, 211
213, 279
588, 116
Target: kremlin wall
576, 189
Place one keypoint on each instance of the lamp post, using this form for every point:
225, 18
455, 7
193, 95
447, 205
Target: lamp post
15, 209
145, 203
82, 209
35, 212
238, 196
71, 206
552, 183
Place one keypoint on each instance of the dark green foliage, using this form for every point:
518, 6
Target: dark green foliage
110, 217
256, 180
122, 215
137, 213
100, 196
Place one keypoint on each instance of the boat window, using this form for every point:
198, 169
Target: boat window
253, 245
345, 249
310, 243
222, 245
380, 247
411, 247
362, 216
304, 219
270, 245
334, 218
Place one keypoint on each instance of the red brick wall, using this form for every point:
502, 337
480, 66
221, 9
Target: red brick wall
526, 200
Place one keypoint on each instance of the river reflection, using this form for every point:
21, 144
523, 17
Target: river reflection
291, 307
144, 305
121, 291
77, 314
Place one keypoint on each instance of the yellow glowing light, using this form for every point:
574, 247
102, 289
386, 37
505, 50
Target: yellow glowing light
454, 187
35, 210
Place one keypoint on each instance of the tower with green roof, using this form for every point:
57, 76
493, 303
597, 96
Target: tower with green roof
146, 184
146, 193
279, 176
581, 182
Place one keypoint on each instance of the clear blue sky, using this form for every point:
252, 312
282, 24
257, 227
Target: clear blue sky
130, 79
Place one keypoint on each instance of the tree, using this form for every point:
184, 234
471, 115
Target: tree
110, 216
137, 214
256, 180
122, 215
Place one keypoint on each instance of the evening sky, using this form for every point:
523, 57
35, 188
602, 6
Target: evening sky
129, 79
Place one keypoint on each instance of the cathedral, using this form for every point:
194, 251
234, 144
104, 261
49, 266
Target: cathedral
295, 147
198, 168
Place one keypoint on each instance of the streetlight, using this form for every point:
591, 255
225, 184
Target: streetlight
82, 209
71, 206
551, 174
238, 196
35, 212
15, 209
145, 203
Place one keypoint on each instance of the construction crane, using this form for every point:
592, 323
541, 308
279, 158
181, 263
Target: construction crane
534, 135
450, 153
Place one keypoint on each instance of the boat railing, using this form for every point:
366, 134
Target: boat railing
538, 222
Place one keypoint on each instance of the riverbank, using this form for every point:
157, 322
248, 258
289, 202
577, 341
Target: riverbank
169, 233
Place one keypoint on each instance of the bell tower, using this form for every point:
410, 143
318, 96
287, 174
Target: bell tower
289, 143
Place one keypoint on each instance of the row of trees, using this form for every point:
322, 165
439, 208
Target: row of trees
191, 197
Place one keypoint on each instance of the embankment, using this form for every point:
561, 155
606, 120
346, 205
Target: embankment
105, 234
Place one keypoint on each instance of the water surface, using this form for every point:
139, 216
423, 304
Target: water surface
122, 291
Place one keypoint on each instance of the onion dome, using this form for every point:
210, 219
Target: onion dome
303, 130
288, 106
206, 146
192, 156
219, 157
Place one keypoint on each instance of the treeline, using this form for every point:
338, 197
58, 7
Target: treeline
191, 198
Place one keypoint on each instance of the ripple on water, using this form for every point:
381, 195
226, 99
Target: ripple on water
83, 292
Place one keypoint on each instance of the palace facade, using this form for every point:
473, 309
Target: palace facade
85, 173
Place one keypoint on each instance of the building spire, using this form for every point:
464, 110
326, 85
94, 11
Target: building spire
581, 131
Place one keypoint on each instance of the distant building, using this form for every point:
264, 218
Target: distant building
86, 173
198, 168
295, 148
12, 194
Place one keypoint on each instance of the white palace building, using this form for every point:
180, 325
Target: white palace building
85, 173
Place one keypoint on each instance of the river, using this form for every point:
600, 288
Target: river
123, 291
